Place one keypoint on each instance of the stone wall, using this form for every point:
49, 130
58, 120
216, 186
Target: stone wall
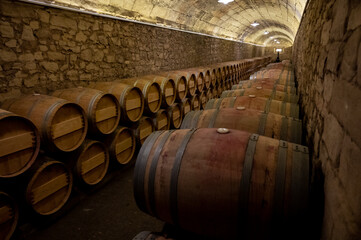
327, 56
43, 49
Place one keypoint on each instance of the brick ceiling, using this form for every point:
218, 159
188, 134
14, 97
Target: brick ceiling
280, 18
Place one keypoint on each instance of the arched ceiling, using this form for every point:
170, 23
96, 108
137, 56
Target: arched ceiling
281, 18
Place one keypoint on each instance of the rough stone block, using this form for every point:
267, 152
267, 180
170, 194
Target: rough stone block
11, 44
327, 86
28, 57
340, 14
87, 55
7, 56
50, 66
56, 56
354, 20
349, 60
350, 174
81, 37
64, 22
333, 59
6, 30
27, 34
345, 105
44, 16
34, 24
32, 81
332, 136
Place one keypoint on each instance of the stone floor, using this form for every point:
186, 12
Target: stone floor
108, 213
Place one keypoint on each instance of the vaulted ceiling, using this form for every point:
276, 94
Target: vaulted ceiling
280, 18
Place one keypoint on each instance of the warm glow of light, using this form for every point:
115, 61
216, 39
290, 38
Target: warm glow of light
225, 1
255, 24
266, 32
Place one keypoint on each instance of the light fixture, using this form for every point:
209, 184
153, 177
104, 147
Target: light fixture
266, 32
225, 1
279, 50
255, 24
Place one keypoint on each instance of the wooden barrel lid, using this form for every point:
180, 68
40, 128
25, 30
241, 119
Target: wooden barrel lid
19, 144
161, 120
92, 163
122, 145
145, 128
175, 115
134, 104
182, 88
191, 85
9, 215
200, 81
49, 188
107, 113
196, 105
153, 97
186, 106
203, 100
68, 127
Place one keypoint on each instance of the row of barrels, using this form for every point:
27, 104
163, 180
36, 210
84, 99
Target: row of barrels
230, 172
87, 129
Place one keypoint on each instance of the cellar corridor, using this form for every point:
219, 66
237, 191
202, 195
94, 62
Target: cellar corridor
161, 119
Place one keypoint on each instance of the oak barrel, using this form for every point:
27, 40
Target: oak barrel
257, 103
175, 115
186, 106
121, 145
151, 92
62, 124
180, 81
49, 187
130, 98
261, 92
265, 84
203, 99
19, 144
195, 102
266, 124
167, 86
9, 216
144, 128
226, 184
191, 81
102, 109
161, 120
91, 163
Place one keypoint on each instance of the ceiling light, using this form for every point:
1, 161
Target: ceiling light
266, 32
255, 24
225, 1
278, 50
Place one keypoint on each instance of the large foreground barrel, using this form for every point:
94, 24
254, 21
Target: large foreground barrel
233, 185
266, 124
257, 103
267, 84
262, 92
9, 215
19, 144
62, 124
102, 109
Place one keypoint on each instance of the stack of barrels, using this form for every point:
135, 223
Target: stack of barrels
73, 137
236, 170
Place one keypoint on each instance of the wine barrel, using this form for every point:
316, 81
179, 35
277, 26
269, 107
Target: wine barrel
161, 120
9, 216
102, 109
203, 99
49, 187
147, 235
91, 163
213, 76
151, 92
225, 184
19, 144
186, 106
209, 94
180, 81
121, 145
167, 86
175, 115
191, 81
62, 124
267, 85
257, 103
266, 124
206, 77
195, 103
261, 92
130, 98
144, 128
